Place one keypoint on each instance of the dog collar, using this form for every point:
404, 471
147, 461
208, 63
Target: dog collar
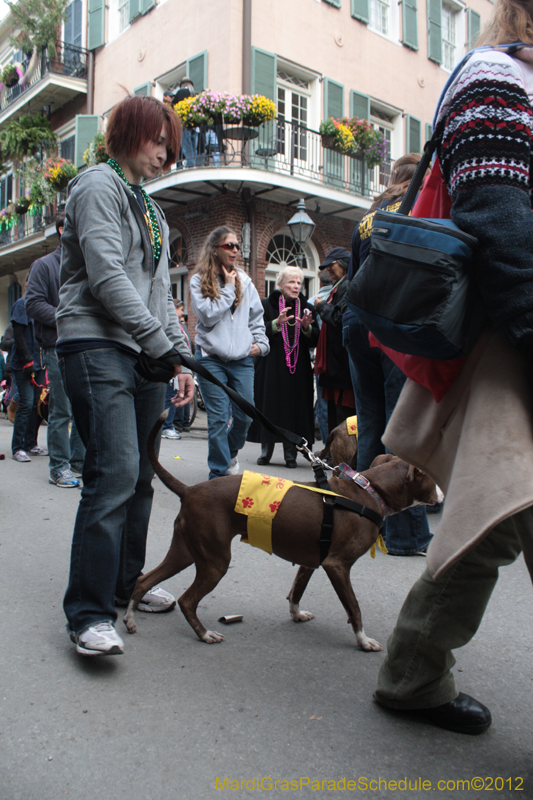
350, 474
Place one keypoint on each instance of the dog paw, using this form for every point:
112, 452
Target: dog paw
366, 644
129, 622
302, 616
212, 637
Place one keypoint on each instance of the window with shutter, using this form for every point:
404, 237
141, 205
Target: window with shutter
336, 3
96, 20
413, 138
359, 105
360, 10
264, 72
410, 24
434, 19
146, 5
145, 90
333, 107
429, 131
474, 26
135, 9
197, 71
86, 128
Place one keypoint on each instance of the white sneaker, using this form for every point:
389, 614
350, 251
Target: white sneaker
157, 601
98, 640
234, 467
170, 434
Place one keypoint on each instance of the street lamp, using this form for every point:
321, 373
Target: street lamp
301, 227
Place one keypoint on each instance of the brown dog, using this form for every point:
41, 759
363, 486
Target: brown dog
207, 523
340, 446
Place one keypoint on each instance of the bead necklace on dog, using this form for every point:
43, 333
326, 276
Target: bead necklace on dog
150, 215
294, 350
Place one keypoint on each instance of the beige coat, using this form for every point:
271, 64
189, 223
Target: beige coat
477, 444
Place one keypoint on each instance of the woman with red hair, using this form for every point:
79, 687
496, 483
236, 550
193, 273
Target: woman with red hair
116, 323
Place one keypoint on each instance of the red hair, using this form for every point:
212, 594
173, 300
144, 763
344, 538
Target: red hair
136, 120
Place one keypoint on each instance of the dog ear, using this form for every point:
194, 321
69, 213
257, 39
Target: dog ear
382, 459
413, 473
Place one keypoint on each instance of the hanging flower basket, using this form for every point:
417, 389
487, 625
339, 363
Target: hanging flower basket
356, 138
22, 205
210, 108
57, 172
328, 141
7, 218
10, 76
96, 152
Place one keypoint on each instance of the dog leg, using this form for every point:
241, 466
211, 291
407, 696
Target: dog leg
303, 576
207, 577
177, 559
339, 575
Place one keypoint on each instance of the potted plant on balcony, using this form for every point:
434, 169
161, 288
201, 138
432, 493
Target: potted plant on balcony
22, 205
24, 136
57, 172
258, 109
210, 108
336, 135
36, 24
10, 76
368, 142
7, 218
96, 152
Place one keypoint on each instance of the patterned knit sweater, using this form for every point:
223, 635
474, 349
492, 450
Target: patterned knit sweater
485, 129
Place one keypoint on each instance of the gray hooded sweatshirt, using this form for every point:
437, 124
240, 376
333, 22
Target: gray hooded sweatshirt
110, 286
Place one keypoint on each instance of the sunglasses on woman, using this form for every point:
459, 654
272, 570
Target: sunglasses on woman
231, 246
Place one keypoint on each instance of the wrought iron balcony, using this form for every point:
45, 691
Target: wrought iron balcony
283, 147
69, 61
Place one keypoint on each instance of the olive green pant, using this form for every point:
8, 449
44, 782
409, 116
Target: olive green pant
439, 616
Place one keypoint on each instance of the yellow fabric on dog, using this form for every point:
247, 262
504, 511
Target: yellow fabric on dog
260, 497
351, 425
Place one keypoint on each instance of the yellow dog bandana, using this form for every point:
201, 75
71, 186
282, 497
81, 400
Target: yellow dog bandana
260, 497
351, 426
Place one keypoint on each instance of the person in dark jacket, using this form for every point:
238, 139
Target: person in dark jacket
66, 453
331, 360
284, 378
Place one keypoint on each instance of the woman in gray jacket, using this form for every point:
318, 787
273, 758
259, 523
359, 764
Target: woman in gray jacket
229, 332
115, 319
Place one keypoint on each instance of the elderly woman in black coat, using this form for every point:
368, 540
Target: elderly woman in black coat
284, 378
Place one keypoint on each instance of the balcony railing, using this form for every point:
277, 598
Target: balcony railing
26, 226
282, 147
69, 60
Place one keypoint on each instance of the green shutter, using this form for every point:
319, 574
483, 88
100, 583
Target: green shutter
96, 22
336, 3
135, 9
333, 99
359, 105
413, 143
429, 131
474, 25
434, 14
86, 128
146, 5
197, 71
144, 90
360, 10
264, 73
409, 24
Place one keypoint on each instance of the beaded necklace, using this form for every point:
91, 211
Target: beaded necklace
149, 216
294, 350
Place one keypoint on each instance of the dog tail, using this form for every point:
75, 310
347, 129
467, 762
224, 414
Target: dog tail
168, 479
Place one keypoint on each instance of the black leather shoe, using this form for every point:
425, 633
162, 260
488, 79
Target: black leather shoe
462, 715
291, 464
262, 461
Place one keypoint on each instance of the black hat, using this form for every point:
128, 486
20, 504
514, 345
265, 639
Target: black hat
340, 254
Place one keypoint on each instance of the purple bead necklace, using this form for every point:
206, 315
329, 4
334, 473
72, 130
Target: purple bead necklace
294, 350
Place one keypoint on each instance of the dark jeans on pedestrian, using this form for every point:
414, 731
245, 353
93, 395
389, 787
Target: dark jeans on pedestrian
114, 410
26, 418
377, 384
64, 450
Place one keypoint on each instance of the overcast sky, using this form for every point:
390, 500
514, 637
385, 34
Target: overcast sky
3, 9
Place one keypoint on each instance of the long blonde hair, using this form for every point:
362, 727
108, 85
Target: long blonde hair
207, 267
512, 22
402, 172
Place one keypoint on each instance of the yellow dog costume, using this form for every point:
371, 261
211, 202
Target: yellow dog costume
259, 498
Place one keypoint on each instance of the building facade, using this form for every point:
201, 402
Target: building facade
374, 59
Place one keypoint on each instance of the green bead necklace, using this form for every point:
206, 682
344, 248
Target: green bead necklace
150, 216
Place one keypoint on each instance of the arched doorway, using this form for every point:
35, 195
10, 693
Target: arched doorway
283, 252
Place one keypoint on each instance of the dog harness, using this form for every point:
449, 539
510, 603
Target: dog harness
260, 497
351, 426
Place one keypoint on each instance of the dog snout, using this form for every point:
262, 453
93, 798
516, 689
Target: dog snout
440, 494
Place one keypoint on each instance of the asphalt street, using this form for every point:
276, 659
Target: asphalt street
173, 718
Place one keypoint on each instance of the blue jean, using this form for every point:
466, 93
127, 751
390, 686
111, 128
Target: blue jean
321, 411
63, 450
224, 444
169, 422
189, 146
377, 384
26, 419
114, 410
